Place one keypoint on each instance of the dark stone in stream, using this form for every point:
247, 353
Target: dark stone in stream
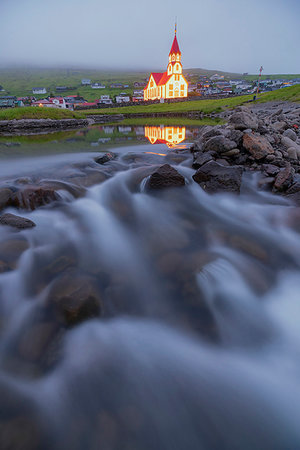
16, 221
164, 177
105, 158
202, 159
11, 250
219, 144
75, 298
33, 197
214, 177
5, 197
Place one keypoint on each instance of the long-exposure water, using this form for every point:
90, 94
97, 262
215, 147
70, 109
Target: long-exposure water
189, 335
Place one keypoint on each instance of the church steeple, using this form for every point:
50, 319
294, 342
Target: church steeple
175, 56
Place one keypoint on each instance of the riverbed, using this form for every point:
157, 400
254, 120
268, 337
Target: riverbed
146, 319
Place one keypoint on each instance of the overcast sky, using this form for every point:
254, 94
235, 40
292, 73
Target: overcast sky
229, 35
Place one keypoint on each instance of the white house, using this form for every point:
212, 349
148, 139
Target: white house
97, 86
58, 101
122, 98
85, 82
106, 100
39, 90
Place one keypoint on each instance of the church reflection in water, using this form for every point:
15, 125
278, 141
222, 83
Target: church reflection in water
171, 136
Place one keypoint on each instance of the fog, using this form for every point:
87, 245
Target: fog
229, 35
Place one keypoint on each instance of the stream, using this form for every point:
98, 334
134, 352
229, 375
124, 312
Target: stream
189, 338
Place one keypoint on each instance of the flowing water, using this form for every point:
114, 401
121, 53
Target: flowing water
195, 343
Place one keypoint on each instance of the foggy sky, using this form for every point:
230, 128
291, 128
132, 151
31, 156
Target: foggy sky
229, 35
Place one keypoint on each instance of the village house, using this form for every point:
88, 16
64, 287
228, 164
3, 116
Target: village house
44, 103
123, 98
97, 86
86, 82
39, 90
116, 86
169, 84
138, 84
8, 101
106, 100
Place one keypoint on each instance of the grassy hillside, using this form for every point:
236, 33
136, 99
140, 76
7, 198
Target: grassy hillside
206, 106
38, 113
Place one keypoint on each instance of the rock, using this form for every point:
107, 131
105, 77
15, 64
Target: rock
75, 298
284, 178
243, 120
294, 188
257, 146
5, 196
164, 177
20, 433
33, 197
35, 340
16, 221
11, 250
219, 144
105, 158
202, 159
211, 133
279, 126
270, 169
234, 135
265, 182
290, 134
233, 152
292, 153
214, 177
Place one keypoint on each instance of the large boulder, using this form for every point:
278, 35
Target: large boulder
214, 177
164, 177
219, 144
16, 221
5, 197
258, 146
33, 197
243, 120
201, 159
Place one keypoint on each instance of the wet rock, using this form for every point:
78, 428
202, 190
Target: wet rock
270, 169
5, 196
290, 134
234, 135
257, 146
219, 144
16, 221
11, 250
211, 133
35, 340
164, 177
19, 433
105, 158
284, 178
75, 298
202, 159
233, 152
266, 182
243, 120
214, 177
33, 197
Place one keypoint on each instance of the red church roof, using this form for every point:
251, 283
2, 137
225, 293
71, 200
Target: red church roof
157, 77
175, 46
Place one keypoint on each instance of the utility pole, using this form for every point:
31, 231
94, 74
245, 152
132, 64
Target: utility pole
259, 78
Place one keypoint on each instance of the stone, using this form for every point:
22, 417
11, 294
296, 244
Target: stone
233, 152
257, 146
270, 169
164, 177
11, 250
292, 153
243, 120
33, 197
202, 159
75, 298
265, 182
105, 158
290, 134
16, 221
211, 133
279, 126
234, 135
284, 178
219, 144
5, 196
214, 177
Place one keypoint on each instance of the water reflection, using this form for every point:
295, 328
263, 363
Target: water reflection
171, 136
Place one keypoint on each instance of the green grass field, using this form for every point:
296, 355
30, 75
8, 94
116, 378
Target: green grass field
31, 112
206, 106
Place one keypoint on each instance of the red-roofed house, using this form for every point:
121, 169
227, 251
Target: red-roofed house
169, 84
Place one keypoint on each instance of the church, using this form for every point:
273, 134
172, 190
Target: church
169, 84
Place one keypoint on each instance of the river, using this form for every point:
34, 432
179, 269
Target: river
190, 336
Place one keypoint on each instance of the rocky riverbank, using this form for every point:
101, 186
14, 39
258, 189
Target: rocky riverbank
263, 138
